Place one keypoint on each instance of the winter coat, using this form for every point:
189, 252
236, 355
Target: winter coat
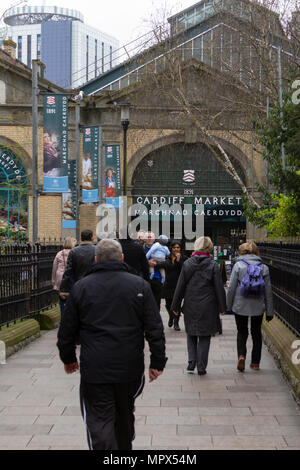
249, 306
135, 257
59, 266
172, 275
200, 285
112, 311
80, 260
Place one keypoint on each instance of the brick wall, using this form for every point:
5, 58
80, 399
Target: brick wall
88, 219
49, 217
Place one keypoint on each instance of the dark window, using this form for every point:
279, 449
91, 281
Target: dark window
103, 57
29, 51
20, 47
38, 46
96, 56
165, 174
87, 58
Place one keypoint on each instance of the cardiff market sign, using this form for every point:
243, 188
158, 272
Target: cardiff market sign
209, 206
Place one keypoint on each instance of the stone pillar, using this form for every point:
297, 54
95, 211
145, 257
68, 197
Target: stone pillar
9, 47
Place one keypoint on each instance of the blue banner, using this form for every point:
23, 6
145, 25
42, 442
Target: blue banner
90, 164
112, 175
55, 140
69, 202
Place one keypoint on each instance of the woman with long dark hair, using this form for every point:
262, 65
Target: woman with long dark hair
173, 265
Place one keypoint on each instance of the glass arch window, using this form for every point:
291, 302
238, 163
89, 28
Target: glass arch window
162, 172
13, 196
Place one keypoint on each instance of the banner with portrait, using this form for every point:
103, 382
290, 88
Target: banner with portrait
69, 199
90, 164
112, 175
55, 144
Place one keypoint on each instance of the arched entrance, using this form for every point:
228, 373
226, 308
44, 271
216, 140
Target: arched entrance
13, 195
191, 174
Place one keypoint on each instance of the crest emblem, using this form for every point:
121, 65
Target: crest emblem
50, 99
188, 176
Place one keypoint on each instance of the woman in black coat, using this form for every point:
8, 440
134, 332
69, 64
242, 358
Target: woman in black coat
172, 265
200, 285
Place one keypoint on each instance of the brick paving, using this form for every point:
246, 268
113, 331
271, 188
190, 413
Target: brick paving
39, 404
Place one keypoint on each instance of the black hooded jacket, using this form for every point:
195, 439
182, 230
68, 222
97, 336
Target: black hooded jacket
200, 285
112, 311
80, 261
135, 257
172, 274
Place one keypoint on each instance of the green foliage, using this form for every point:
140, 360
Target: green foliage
275, 132
279, 213
285, 221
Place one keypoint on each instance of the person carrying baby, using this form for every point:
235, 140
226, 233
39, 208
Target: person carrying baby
158, 252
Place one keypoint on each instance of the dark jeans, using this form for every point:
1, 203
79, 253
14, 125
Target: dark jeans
108, 413
62, 304
171, 314
242, 336
156, 288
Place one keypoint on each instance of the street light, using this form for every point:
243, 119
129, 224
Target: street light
125, 124
77, 99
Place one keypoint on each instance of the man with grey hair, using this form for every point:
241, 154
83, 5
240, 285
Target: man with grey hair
112, 311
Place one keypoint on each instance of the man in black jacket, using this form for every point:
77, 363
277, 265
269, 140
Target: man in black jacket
111, 310
79, 262
134, 255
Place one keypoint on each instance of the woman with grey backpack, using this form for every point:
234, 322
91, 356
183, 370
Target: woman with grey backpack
249, 294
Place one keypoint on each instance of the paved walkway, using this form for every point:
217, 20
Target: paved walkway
39, 405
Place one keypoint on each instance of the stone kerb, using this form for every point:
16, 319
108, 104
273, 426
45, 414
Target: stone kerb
18, 335
285, 348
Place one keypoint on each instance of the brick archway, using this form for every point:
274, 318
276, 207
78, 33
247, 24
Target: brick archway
179, 137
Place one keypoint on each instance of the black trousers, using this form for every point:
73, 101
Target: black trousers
171, 314
108, 412
242, 336
156, 288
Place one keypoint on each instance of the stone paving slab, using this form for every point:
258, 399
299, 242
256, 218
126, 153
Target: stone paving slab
214, 411
39, 403
206, 430
248, 442
33, 410
23, 429
18, 419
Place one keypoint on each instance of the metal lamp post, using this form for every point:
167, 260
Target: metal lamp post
35, 92
125, 124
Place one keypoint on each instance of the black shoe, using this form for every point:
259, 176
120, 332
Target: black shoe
170, 322
176, 326
191, 366
201, 372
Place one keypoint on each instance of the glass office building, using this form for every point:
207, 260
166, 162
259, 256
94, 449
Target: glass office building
73, 52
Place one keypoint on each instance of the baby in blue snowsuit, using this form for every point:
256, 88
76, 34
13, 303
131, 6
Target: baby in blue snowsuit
158, 252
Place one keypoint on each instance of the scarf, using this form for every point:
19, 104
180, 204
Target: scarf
199, 253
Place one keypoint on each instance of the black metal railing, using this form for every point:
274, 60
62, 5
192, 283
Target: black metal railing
25, 280
283, 260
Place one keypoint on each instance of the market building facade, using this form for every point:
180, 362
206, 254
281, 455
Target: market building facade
168, 160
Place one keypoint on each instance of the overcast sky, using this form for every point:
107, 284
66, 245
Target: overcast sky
125, 20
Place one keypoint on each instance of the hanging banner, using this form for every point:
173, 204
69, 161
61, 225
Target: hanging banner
112, 175
55, 144
69, 199
90, 164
